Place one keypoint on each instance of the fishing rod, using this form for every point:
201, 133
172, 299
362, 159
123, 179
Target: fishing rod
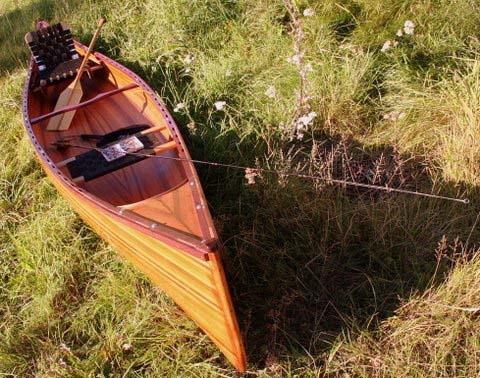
257, 171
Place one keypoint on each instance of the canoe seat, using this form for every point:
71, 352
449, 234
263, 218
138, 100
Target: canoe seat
54, 53
115, 150
101, 161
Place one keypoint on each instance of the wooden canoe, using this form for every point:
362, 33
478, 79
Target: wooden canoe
150, 208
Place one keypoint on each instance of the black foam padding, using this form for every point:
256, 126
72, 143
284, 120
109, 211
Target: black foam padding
92, 164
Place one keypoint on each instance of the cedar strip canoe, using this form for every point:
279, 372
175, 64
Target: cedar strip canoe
148, 204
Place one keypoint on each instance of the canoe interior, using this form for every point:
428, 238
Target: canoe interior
155, 188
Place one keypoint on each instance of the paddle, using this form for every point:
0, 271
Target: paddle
72, 95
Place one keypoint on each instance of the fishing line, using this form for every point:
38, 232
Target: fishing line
387, 189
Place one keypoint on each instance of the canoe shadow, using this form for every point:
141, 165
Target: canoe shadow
306, 261
305, 266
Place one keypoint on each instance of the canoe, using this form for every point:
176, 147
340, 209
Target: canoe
124, 168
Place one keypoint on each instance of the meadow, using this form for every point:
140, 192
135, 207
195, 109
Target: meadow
353, 272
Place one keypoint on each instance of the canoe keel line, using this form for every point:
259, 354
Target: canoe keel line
152, 211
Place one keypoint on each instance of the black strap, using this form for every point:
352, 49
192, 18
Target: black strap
92, 164
104, 140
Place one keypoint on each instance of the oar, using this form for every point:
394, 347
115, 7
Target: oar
72, 95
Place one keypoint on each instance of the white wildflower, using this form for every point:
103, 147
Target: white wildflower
127, 347
250, 175
64, 349
299, 34
302, 123
219, 105
394, 116
271, 92
308, 12
192, 126
307, 119
308, 67
229, 73
189, 59
179, 107
399, 33
408, 27
386, 46
295, 59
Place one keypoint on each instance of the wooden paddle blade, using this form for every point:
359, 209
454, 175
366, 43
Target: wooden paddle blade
71, 95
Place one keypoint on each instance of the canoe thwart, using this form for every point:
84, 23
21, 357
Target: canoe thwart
98, 97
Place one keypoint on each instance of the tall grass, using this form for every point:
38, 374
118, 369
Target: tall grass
326, 280
433, 334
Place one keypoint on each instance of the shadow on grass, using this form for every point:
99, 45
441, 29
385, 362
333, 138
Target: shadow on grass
305, 264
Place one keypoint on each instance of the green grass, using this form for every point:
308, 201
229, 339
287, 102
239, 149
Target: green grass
326, 279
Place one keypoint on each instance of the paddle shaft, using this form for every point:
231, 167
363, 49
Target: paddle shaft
75, 82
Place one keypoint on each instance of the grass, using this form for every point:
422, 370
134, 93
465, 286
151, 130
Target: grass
327, 280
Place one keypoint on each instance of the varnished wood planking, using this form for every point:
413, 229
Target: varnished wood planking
192, 281
236, 347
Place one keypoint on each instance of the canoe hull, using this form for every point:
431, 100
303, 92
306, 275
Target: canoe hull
188, 269
196, 284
